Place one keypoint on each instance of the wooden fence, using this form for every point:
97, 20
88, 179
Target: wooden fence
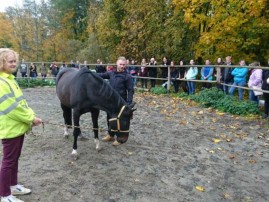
217, 67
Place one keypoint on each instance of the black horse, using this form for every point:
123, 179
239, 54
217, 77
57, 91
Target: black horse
83, 91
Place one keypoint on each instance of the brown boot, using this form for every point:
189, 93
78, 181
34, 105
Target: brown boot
108, 138
116, 143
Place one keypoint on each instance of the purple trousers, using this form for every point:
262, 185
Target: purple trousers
10, 162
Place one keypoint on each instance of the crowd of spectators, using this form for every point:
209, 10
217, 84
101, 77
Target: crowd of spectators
224, 74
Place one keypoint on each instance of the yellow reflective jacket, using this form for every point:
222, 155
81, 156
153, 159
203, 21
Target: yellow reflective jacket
15, 115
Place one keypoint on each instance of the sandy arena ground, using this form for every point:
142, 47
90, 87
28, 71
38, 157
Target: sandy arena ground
175, 152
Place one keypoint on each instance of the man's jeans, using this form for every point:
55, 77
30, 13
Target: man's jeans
240, 90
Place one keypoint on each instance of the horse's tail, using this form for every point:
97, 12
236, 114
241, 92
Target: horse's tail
61, 73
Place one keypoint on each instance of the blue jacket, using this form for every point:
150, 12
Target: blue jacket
207, 72
240, 74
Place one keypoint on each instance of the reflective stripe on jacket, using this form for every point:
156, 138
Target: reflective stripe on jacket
15, 115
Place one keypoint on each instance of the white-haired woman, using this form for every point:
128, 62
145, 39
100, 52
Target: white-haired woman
16, 119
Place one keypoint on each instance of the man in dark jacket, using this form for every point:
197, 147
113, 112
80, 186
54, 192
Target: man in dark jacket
164, 68
133, 70
153, 72
226, 74
265, 86
122, 82
99, 68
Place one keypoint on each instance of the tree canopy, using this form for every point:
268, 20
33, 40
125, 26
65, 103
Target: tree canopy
90, 29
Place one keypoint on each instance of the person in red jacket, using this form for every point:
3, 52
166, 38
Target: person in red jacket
16, 119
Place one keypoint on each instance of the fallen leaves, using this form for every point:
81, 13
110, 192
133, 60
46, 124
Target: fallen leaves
200, 112
252, 161
213, 151
200, 188
214, 120
220, 113
224, 135
216, 140
183, 122
241, 135
229, 140
226, 196
265, 145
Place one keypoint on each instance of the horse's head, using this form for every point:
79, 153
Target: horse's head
120, 124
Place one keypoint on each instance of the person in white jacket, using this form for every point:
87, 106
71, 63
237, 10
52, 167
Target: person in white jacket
191, 75
255, 81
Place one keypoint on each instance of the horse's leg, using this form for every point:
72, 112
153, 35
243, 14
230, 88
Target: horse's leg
67, 114
76, 132
95, 115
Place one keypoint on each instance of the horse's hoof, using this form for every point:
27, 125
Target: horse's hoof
66, 136
99, 149
74, 155
97, 144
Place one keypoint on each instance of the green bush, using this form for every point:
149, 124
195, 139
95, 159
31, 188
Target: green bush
31, 83
181, 95
216, 99
208, 97
158, 90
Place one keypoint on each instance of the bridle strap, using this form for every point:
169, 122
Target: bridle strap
121, 110
118, 122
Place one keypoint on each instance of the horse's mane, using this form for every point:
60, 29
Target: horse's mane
101, 87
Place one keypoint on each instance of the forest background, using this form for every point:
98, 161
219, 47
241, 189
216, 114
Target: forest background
61, 30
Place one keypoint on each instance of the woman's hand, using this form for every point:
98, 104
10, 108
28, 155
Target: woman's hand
37, 121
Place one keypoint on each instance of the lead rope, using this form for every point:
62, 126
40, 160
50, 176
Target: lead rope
70, 126
90, 128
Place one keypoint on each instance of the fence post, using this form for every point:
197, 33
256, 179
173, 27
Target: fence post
218, 75
169, 78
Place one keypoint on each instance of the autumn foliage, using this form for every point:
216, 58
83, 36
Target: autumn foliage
89, 29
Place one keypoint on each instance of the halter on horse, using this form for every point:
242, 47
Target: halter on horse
81, 91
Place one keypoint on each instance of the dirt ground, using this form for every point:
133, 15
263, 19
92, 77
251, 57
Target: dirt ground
175, 152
